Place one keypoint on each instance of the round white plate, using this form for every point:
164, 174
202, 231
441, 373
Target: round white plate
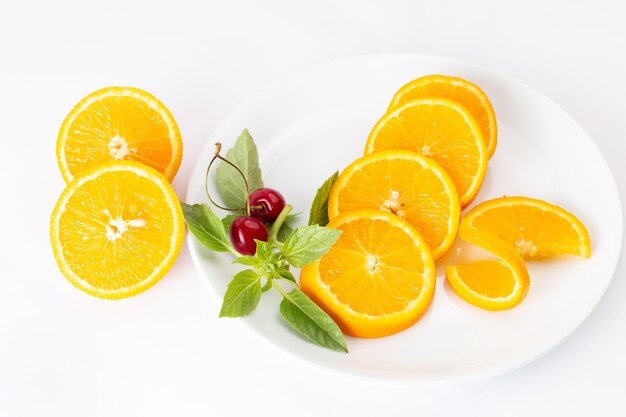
316, 122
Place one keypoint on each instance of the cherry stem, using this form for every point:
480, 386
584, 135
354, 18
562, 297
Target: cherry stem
218, 148
279, 222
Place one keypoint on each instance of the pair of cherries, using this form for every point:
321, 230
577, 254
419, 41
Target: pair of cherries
265, 206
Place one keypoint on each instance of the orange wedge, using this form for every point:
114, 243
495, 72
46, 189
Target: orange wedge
442, 130
119, 123
459, 90
494, 284
377, 279
535, 228
116, 229
406, 184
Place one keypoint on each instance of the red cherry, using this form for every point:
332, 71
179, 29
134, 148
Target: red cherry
266, 204
243, 231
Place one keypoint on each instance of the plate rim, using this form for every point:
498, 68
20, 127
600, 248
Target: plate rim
356, 376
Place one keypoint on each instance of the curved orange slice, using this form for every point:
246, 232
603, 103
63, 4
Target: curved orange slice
495, 284
377, 279
442, 130
404, 183
116, 229
459, 90
119, 123
535, 228
512, 228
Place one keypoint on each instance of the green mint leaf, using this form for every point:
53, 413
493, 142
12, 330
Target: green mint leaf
319, 207
206, 227
227, 221
248, 261
285, 274
230, 185
308, 243
243, 294
311, 321
263, 251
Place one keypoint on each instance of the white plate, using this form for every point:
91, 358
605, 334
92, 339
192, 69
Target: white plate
316, 122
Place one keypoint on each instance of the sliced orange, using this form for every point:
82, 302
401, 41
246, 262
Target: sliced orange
116, 229
493, 284
512, 228
119, 123
442, 130
457, 89
377, 279
535, 228
404, 183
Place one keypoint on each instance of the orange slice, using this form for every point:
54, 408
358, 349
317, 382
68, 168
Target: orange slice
459, 90
119, 123
442, 130
494, 284
404, 183
535, 228
377, 279
116, 229
512, 228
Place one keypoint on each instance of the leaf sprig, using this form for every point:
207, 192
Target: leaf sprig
271, 263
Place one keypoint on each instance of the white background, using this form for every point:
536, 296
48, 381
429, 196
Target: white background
165, 352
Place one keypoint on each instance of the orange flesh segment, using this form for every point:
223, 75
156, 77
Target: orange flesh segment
492, 279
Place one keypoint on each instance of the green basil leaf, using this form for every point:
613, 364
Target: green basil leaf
263, 250
277, 260
319, 207
227, 221
284, 232
308, 243
230, 185
311, 321
206, 227
285, 274
243, 294
248, 261
268, 284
